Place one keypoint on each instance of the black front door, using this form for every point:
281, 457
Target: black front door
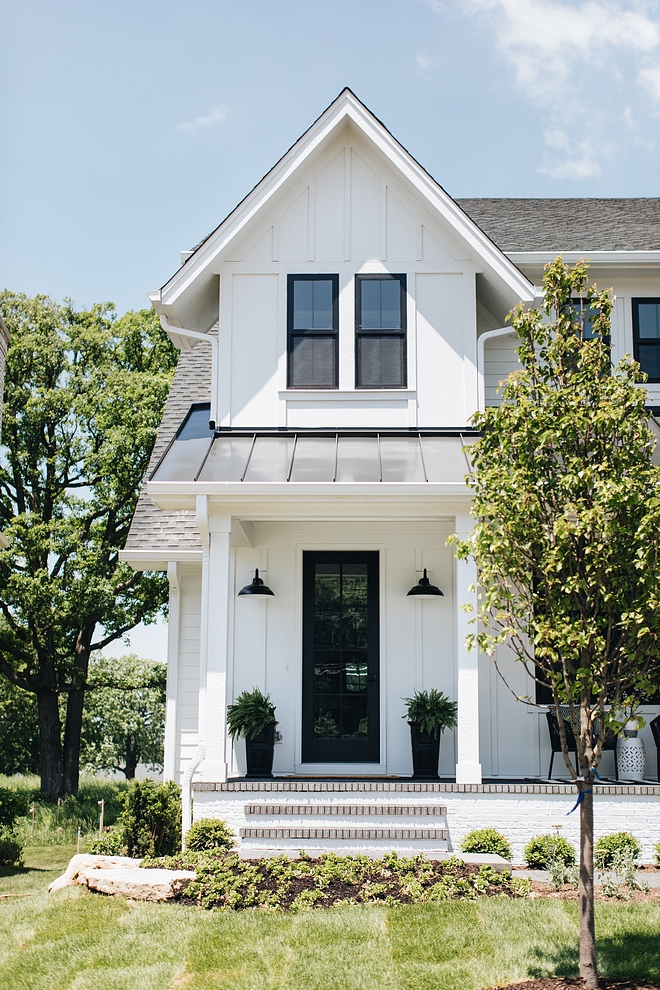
340, 658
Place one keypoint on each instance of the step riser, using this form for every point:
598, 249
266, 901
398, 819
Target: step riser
359, 834
357, 810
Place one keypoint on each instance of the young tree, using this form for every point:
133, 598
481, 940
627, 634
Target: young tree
84, 393
124, 717
567, 534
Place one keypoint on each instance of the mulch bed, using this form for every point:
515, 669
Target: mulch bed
564, 983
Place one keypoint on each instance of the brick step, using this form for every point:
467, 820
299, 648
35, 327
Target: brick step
363, 834
380, 810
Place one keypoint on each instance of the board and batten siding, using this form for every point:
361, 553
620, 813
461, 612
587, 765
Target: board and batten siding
348, 214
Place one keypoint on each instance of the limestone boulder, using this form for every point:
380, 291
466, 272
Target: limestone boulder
150, 884
84, 861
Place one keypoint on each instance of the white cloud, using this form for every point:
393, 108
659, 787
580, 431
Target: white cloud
425, 63
582, 63
215, 116
650, 80
578, 160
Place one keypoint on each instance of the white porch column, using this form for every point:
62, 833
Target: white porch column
468, 767
173, 622
219, 608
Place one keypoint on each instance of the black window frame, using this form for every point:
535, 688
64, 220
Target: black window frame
331, 332
635, 323
401, 333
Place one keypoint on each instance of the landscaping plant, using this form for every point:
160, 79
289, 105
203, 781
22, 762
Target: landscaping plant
432, 710
209, 833
542, 849
567, 532
226, 881
150, 823
250, 714
618, 843
487, 840
11, 850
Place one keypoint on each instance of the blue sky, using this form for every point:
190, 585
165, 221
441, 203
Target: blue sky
130, 128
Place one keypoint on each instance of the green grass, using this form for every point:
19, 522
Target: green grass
80, 941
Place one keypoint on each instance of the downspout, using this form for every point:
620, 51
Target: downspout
186, 799
215, 361
481, 384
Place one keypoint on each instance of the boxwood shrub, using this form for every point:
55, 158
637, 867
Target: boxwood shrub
541, 850
608, 847
487, 840
209, 833
11, 851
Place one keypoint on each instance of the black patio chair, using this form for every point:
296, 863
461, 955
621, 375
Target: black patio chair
655, 729
609, 743
555, 737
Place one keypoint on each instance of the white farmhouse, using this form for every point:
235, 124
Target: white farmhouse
338, 330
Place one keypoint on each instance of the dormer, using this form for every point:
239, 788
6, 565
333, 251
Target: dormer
346, 290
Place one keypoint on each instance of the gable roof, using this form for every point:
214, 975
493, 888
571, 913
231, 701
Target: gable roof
187, 296
568, 224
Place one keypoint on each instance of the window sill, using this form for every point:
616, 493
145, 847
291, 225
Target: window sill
349, 393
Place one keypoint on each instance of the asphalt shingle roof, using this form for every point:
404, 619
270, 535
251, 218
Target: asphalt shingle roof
152, 528
568, 224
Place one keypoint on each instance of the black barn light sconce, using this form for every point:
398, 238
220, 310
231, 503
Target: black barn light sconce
257, 589
424, 589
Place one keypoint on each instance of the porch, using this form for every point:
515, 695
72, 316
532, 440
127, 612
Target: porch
371, 817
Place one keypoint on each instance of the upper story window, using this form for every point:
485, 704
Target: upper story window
585, 314
312, 331
646, 336
380, 331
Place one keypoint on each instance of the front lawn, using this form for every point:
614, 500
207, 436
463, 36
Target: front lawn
74, 939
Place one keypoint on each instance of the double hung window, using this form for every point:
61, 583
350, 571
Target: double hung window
312, 331
380, 331
646, 336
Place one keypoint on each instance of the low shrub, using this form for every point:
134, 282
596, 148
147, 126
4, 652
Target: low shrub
150, 824
487, 840
226, 881
656, 850
542, 850
11, 850
109, 843
608, 846
13, 803
209, 833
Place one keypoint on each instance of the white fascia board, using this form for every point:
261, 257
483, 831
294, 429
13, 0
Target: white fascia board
347, 106
328, 496
594, 257
157, 560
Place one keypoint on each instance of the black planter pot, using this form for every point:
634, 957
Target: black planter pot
425, 753
259, 752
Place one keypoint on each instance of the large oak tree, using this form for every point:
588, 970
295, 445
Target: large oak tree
84, 392
567, 532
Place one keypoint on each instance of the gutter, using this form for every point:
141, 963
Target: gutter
215, 360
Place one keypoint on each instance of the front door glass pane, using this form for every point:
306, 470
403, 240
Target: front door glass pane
341, 659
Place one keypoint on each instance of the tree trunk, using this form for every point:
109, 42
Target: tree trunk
72, 733
74, 711
50, 742
588, 969
131, 758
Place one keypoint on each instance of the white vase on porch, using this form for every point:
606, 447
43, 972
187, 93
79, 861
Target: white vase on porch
630, 754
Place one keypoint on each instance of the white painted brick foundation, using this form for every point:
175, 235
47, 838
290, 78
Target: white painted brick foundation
519, 811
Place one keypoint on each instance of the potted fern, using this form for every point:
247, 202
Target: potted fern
252, 716
428, 714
